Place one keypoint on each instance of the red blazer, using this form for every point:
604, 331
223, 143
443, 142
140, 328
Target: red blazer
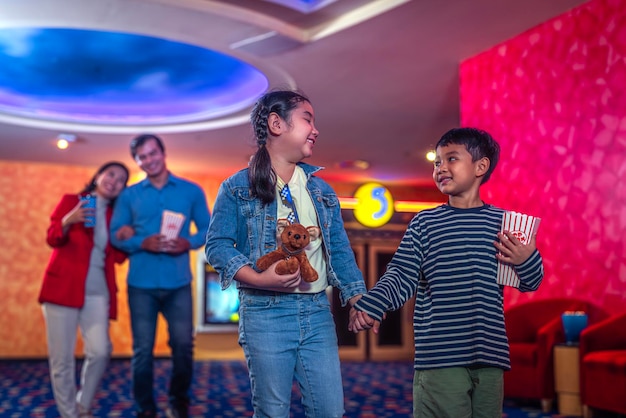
66, 274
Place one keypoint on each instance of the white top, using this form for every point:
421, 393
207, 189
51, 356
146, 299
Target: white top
96, 280
307, 217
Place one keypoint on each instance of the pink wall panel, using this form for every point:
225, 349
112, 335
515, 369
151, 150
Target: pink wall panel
555, 98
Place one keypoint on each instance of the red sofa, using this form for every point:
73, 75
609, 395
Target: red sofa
533, 328
603, 366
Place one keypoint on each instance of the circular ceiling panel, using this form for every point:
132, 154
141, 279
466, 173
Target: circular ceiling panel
114, 78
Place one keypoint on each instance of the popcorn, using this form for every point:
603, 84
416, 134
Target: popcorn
523, 227
171, 223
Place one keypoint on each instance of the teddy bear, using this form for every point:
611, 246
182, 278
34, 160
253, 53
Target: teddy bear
294, 237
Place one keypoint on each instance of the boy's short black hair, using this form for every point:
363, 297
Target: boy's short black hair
478, 143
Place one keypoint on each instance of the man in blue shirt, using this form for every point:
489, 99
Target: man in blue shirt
159, 275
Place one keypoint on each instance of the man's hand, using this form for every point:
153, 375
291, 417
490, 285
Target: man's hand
176, 246
154, 243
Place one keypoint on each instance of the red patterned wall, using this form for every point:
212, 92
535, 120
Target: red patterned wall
555, 98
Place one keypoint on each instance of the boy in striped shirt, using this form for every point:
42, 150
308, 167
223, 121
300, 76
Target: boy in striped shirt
448, 259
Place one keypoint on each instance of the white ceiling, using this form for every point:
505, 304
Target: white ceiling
382, 75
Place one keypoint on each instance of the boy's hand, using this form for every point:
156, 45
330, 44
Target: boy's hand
511, 250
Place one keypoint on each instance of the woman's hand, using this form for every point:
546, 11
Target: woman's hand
76, 215
125, 232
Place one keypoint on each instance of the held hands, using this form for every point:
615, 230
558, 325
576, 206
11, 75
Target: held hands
511, 250
157, 243
360, 321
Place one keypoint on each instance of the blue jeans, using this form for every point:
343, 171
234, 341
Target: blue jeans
175, 305
285, 336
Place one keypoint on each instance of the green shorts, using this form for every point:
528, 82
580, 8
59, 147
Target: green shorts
458, 392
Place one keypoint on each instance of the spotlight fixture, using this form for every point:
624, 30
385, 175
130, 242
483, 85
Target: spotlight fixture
64, 140
430, 156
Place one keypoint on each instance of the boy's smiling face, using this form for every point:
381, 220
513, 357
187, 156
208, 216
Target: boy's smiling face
454, 173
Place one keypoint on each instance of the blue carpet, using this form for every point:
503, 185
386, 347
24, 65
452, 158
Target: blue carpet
220, 389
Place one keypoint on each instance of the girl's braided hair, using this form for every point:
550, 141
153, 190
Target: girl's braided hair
261, 175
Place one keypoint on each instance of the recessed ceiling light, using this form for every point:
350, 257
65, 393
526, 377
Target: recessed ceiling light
431, 155
64, 140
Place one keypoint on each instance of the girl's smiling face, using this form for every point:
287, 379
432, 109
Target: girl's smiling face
299, 136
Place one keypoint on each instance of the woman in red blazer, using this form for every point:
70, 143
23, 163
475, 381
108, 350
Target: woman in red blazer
79, 289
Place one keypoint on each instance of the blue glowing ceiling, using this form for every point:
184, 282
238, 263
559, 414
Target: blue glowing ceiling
96, 77
304, 6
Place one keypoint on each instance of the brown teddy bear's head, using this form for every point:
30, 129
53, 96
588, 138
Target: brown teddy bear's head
295, 236
293, 239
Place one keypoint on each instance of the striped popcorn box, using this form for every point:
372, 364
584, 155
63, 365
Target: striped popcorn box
171, 223
523, 227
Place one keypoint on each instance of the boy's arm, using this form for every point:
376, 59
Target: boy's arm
530, 272
399, 283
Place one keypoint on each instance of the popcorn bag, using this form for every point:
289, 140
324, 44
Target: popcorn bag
171, 223
523, 227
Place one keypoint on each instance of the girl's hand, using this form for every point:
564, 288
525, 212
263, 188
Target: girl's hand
512, 251
272, 280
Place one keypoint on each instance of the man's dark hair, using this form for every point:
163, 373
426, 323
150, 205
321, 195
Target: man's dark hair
142, 139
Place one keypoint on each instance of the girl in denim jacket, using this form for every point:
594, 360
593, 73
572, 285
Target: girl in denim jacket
286, 327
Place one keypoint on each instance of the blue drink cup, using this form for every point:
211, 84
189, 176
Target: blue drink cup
90, 221
573, 324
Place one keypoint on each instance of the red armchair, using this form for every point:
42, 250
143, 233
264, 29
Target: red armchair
603, 366
533, 329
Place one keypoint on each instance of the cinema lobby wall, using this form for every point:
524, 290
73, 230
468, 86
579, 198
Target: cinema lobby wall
554, 98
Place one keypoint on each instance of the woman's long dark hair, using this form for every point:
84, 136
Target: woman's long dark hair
91, 186
261, 175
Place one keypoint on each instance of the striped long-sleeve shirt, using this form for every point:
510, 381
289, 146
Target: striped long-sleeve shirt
448, 261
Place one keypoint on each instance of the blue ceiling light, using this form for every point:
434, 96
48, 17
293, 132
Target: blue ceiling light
304, 6
112, 78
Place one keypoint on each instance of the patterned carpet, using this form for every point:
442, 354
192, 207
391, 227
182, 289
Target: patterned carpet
220, 389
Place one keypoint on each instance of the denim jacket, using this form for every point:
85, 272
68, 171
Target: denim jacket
242, 229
